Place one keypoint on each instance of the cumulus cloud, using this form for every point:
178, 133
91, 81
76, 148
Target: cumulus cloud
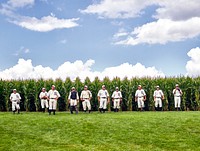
181, 10
117, 8
193, 65
24, 69
167, 9
163, 31
174, 21
43, 24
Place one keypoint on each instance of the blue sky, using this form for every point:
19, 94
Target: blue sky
99, 37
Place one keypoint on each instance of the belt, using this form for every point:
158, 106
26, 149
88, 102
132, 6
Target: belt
85, 98
52, 98
140, 96
103, 97
116, 98
14, 100
158, 97
177, 96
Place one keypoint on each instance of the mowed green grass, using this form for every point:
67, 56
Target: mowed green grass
139, 131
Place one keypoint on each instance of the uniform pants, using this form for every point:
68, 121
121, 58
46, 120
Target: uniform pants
116, 103
177, 101
158, 101
15, 106
103, 103
73, 102
140, 102
44, 103
52, 104
86, 103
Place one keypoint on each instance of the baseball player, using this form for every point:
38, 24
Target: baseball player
53, 96
43, 97
103, 98
140, 97
15, 99
158, 97
116, 98
177, 97
85, 97
73, 99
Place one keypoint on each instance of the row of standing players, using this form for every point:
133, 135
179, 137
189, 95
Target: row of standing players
49, 99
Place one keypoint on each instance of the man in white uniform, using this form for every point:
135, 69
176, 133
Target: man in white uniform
85, 97
103, 98
73, 99
140, 97
15, 99
116, 98
43, 97
177, 97
53, 96
158, 97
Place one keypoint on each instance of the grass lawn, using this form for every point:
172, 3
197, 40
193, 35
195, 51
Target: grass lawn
110, 131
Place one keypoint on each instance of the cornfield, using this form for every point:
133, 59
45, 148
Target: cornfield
30, 89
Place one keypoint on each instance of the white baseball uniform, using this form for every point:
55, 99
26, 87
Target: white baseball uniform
103, 94
44, 102
15, 99
53, 94
158, 94
117, 95
85, 96
177, 98
140, 97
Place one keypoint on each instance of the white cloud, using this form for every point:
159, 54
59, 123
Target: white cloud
193, 66
167, 9
20, 3
117, 8
43, 24
24, 69
175, 21
47, 23
179, 10
163, 31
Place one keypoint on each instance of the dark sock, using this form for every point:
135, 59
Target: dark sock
89, 111
71, 109
100, 109
49, 112
54, 112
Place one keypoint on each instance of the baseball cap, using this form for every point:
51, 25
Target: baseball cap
176, 85
85, 86
14, 90
103, 86
53, 86
117, 88
139, 85
157, 86
73, 87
